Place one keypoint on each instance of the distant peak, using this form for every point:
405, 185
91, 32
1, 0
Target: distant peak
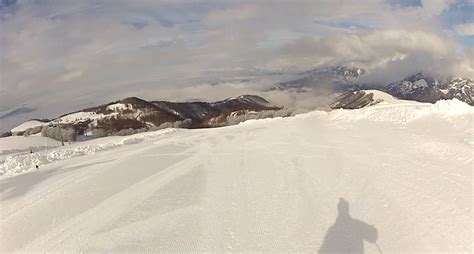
133, 98
418, 75
133, 101
253, 98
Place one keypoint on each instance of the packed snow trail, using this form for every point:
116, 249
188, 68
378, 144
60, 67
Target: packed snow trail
268, 185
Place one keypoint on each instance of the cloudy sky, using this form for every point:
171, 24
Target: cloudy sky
60, 55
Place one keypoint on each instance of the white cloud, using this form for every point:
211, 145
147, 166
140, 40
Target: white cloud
465, 29
370, 49
435, 7
70, 75
93, 51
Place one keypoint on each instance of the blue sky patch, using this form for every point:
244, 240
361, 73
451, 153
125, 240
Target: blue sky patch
405, 3
467, 41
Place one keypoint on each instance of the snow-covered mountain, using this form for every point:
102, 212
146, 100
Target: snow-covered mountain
461, 89
390, 178
419, 87
128, 115
200, 112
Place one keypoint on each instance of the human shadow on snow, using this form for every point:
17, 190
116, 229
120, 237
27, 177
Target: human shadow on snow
347, 234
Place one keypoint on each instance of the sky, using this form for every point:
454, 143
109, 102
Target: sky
61, 55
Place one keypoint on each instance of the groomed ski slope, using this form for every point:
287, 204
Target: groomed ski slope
403, 171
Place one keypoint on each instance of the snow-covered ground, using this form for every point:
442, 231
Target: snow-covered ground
17, 145
389, 178
386, 98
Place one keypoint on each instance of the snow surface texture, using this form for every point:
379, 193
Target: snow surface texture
344, 180
21, 163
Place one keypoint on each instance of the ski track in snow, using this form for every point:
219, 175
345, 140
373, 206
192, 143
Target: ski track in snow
270, 185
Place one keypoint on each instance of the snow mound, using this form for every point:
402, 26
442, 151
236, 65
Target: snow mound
26, 125
385, 98
452, 107
17, 164
404, 112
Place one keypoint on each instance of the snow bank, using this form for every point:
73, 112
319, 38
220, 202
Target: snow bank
404, 112
17, 164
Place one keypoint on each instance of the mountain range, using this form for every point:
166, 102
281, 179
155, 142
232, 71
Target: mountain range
131, 115
419, 86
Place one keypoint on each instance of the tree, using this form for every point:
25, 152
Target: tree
60, 133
